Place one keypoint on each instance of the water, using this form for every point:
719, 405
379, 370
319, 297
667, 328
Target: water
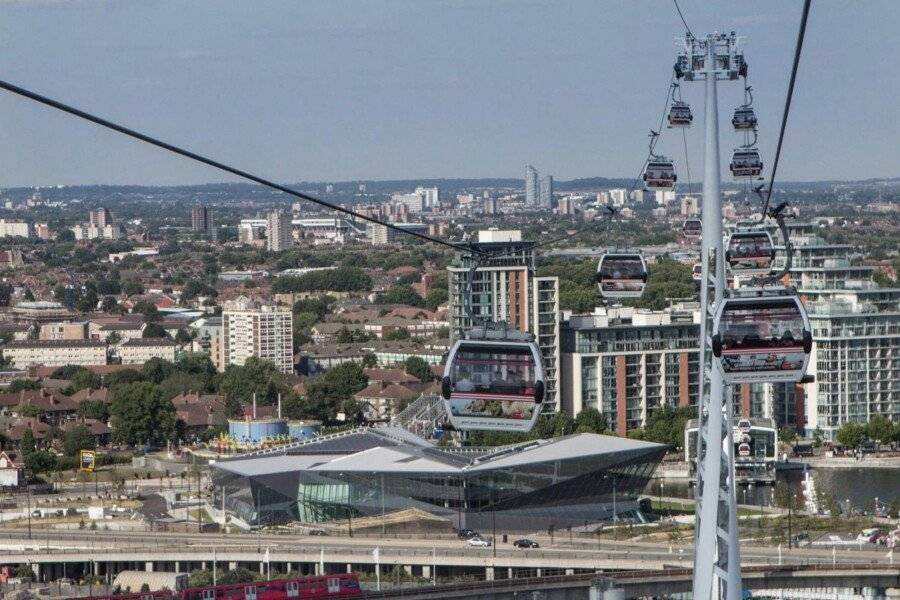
858, 486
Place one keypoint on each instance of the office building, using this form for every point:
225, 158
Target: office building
532, 191
625, 362
251, 329
379, 472
506, 288
547, 191
279, 234
201, 221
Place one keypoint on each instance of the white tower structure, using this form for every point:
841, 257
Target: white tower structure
717, 557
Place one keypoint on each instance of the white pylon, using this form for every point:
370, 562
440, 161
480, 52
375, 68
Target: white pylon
717, 557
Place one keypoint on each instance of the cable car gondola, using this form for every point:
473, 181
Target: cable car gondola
745, 163
622, 275
761, 335
697, 272
744, 449
744, 425
692, 229
750, 252
744, 118
659, 174
494, 380
680, 114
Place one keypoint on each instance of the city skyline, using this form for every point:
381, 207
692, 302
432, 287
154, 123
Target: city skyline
414, 91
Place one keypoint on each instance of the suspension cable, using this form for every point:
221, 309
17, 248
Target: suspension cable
680, 14
219, 165
801, 33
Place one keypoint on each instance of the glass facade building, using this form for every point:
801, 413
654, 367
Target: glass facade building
531, 486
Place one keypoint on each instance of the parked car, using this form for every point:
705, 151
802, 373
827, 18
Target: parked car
465, 534
316, 532
526, 543
479, 542
869, 536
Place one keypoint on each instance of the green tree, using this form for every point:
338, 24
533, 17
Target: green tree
238, 383
154, 330
402, 294
94, 409
18, 385
851, 434
666, 425
590, 420
157, 369
132, 288
881, 429
400, 333
76, 439
139, 414
85, 379
787, 435
239, 575
326, 393
123, 376
417, 367
28, 445
183, 337
369, 361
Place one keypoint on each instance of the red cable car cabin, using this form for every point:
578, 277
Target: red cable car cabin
160, 595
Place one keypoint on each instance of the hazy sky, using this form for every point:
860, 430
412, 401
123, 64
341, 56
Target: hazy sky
382, 89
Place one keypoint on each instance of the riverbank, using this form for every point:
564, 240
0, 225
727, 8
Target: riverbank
849, 462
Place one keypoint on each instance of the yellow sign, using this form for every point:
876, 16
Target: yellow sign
88, 460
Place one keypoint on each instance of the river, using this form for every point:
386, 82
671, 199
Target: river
858, 486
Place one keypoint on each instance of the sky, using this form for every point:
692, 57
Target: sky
337, 90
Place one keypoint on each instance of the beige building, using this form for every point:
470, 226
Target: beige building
55, 353
63, 331
137, 351
251, 329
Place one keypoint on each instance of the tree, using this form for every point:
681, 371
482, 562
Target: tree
6, 291
851, 434
589, 420
239, 383
149, 311
880, 428
18, 385
666, 425
417, 367
132, 288
369, 360
78, 438
28, 445
436, 297
23, 571
183, 337
326, 393
113, 338
139, 414
239, 575
157, 369
154, 330
123, 376
787, 435
400, 333
402, 294
85, 379
108, 304
94, 409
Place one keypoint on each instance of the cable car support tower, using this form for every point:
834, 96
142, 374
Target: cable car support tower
717, 557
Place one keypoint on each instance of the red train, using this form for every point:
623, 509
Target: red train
320, 586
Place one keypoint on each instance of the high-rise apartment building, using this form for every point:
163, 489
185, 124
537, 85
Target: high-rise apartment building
100, 218
201, 220
626, 362
618, 196
251, 329
532, 191
547, 191
15, 229
279, 234
506, 288
430, 197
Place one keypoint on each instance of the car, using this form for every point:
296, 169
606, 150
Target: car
526, 543
316, 532
465, 534
870, 535
479, 542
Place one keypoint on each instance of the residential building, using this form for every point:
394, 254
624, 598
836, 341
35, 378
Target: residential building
14, 229
37, 311
42, 231
547, 191
253, 329
380, 235
11, 469
252, 230
89, 231
506, 288
100, 218
279, 235
690, 206
137, 351
618, 197
532, 191
626, 362
55, 353
11, 259
430, 197
202, 221
64, 331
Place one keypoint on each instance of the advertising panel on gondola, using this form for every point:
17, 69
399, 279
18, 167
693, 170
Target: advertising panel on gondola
493, 385
764, 339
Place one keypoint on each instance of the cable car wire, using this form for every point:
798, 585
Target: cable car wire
216, 164
680, 14
801, 33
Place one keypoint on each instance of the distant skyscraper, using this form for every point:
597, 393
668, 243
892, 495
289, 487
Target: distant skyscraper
201, 221
429, 197
547, 191
531, 186
101, 217
279, 231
